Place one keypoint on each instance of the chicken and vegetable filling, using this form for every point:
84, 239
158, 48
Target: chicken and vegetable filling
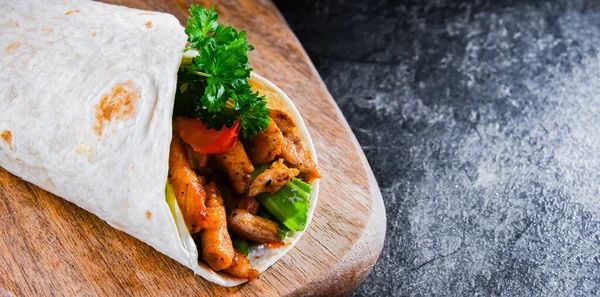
239, 173
255, 192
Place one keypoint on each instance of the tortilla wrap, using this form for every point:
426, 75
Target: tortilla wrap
86, 102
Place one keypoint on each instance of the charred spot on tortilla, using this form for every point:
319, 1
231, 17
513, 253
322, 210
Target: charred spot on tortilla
93, 33
71, 11
148, 214
7, 137
12, 23
12, 47
148, 24
118, 104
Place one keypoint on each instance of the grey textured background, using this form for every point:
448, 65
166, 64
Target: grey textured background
481, 123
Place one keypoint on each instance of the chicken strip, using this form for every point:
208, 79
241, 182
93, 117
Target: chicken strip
283, 121
231, 201
272, 179
266, 145
294, 153
186, 185
217, 249
240, 267
253, 228
238, 167
249, 204
198, 160
292, 150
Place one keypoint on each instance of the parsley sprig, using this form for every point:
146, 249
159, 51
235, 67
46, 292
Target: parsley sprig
213, 85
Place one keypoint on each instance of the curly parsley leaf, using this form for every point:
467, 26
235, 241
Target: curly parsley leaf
213, 86
200, 24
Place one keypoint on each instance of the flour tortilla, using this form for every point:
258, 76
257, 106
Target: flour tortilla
86, 100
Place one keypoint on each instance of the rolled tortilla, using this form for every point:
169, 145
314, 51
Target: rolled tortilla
86, 103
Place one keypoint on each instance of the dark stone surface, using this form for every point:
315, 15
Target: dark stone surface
481, 123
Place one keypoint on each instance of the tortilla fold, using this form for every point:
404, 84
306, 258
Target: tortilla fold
86, 102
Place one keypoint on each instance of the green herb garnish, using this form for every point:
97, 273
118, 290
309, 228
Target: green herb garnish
213, 85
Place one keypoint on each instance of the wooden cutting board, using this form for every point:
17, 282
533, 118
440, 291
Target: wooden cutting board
49, 246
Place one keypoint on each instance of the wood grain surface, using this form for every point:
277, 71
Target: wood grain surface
49, 246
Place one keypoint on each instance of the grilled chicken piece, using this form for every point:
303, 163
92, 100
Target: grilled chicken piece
283, 121
240, 267
231, 201
292, 150
272, 179
217, 249
189, 192
198, 160
266, 145
249, 204
253, 228
238, 167
294, 153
